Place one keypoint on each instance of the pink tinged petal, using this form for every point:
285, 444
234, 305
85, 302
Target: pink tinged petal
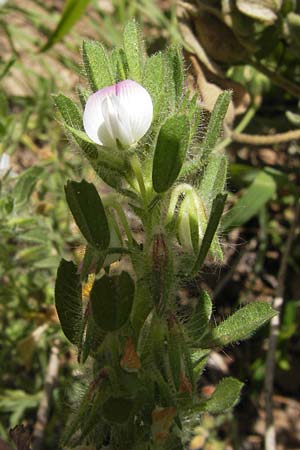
93, 117
136, 101
121, 112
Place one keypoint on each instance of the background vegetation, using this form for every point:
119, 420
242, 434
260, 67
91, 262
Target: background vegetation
40, 44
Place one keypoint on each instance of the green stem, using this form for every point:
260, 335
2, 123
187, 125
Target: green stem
112, 204
239, 128
137, 170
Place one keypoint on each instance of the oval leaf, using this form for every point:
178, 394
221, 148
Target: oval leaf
117, 409
88, 212
251, 202
225, 396
171, 148
133, 50
240, 325
111, 300
25, 185
97, 65
68, 300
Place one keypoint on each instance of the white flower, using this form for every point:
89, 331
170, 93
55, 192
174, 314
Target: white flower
120, 112
4, 163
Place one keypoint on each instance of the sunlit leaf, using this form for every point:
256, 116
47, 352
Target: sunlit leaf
74, 9
250, 203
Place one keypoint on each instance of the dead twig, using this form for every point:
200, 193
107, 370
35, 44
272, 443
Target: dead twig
43, 411
257, 139
270, 435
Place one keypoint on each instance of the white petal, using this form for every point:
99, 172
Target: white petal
93, 120
137, 103
113, 121
123, 111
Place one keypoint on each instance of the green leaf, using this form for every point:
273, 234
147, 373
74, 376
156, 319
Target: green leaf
133, 50
294, 118
111, 300
240, 325
154, 81
250, 203
74, 9
117, 409
25, 185
79, 134
198, 323
93, 339
88, 212
120, 64
215, 125
225, 396
199, 359
170, 152
212, 225
6, 67
69, 111
68, 300
176, 61
97, 65
73, 119
103, 165
213, 181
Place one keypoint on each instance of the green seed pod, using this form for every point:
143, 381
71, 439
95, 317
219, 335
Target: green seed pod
192, 220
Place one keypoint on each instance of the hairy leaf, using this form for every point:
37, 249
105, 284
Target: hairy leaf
225, 396
97, 65
68, 300
88, 212
170, 152
240, 325
111, 300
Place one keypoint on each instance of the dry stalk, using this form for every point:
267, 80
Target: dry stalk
43, 411
270, 435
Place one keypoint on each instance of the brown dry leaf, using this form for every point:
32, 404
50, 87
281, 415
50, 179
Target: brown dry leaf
130, 360
211, 86
218, 40
21, 436
185, 385
191, 42
162, 419
209, 92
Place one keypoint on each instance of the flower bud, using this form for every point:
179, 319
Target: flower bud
192, 220
120, 113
